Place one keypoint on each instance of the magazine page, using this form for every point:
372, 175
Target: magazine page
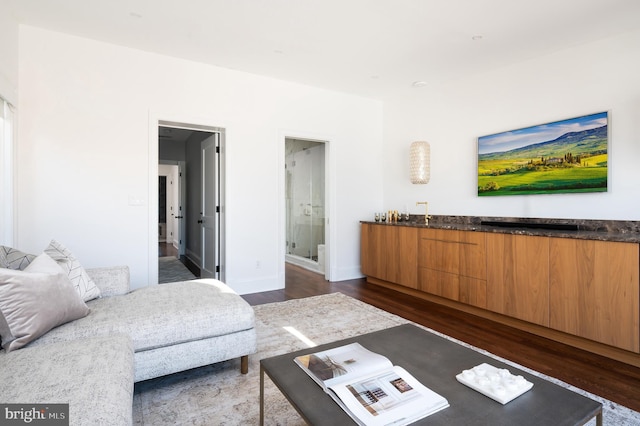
393, 397
342, 364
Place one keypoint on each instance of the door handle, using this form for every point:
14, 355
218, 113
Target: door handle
178, 217
200, 221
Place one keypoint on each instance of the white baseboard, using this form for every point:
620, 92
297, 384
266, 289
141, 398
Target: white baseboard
307, 264
256, 286
344, 274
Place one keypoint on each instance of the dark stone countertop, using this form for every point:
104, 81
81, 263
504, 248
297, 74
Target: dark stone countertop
585, 229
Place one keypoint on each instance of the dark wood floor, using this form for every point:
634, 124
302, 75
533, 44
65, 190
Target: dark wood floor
611, 379
166, 249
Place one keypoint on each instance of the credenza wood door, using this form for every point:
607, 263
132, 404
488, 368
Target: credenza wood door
594, 290
473, 254
518, 276
390, 253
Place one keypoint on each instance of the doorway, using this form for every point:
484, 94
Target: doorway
199, 175
305, 205
169, 205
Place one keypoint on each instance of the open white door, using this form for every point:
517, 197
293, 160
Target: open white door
210, 215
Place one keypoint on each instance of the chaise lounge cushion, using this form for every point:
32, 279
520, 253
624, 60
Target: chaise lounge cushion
94, 376
162, 315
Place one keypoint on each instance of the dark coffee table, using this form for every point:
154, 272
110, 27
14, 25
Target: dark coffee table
435, 362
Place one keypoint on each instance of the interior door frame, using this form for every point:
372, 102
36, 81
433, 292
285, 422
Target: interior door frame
7, 175
171, 120
329, 197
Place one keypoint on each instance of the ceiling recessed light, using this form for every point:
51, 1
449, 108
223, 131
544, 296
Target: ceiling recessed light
419, 83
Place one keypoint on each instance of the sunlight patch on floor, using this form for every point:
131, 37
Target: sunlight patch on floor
304, 339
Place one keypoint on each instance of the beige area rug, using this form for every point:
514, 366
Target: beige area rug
219, 395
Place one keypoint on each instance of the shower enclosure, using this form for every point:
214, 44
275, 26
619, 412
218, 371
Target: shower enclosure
305, 203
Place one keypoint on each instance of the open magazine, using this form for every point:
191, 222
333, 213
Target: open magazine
369, 388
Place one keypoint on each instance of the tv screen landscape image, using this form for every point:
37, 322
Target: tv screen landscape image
568, 156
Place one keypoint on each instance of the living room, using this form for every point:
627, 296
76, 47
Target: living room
87, 109
88, 84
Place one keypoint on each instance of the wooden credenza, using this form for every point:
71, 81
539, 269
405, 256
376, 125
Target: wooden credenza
573, 290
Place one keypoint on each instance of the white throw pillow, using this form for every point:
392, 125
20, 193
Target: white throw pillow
83, 284
36, 300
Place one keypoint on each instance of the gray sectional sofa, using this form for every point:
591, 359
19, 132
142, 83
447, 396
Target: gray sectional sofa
128, 336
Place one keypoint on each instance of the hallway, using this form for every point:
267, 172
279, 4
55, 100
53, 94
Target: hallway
169, 270
166, 249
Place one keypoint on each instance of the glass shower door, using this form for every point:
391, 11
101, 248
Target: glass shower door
305, 199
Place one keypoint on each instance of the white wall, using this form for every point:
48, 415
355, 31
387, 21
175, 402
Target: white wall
84, 153
8, 55
595, 77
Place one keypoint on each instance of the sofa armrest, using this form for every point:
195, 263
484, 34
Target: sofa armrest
111, 281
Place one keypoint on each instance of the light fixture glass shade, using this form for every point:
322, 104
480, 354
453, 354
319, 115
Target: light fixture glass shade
419, 158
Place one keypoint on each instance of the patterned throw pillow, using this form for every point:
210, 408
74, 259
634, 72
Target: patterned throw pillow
83, 284
11, 258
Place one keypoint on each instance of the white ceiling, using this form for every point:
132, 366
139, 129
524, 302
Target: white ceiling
373, 48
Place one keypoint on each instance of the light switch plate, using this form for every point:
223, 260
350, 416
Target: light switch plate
137, 201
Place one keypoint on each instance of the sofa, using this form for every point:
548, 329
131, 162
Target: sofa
92, 362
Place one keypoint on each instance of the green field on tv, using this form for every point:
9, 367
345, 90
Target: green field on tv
563, 157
